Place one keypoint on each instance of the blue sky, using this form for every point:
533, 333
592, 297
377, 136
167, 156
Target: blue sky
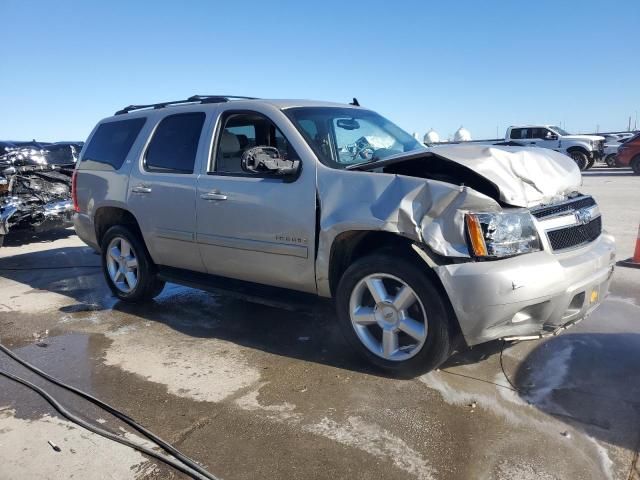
484, 65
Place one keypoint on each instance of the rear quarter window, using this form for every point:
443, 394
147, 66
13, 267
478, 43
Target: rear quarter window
112, 141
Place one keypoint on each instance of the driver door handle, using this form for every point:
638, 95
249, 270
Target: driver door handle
213, 196
140, 188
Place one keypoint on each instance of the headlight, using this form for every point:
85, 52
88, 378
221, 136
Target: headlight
495, 235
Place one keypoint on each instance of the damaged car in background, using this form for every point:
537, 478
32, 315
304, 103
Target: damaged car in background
35, 185
422, 250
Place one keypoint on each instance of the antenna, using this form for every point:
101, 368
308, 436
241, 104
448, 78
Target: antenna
355, 102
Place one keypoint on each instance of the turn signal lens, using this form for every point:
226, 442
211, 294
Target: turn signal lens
476, 236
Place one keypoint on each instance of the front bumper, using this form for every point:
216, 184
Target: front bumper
531, 295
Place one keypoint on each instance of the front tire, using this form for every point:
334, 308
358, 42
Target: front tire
127, 266
393, 315
635, 164
580, 158
611, 160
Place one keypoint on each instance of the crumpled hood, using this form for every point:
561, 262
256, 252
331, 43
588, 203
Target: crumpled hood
524, 176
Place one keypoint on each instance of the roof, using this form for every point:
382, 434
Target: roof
199, 100
533, 125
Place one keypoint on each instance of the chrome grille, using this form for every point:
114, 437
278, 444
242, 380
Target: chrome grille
570, 224
577, 203
576, 236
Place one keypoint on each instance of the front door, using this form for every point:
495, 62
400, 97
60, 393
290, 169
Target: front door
251, 226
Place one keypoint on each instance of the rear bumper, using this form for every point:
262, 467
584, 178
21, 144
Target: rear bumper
84, 227
532, 295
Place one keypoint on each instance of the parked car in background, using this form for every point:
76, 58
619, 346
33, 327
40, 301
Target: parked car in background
611, 143
585, 150
420, 249
629, 154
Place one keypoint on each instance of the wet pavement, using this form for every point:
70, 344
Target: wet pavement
252, 391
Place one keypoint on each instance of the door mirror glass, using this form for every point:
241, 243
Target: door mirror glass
550, 136
267, 160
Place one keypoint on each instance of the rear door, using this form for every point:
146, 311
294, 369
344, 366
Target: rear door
255, 227
162, 189
521, 135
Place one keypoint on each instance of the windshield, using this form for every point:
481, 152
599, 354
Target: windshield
346, 136
559, 130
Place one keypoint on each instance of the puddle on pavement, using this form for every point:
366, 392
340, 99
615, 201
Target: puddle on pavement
70, 358
214, 362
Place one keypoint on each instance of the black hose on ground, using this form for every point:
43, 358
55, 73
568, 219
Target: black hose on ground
194, 470
504, 372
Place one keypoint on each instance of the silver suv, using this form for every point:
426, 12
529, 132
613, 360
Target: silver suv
418, 248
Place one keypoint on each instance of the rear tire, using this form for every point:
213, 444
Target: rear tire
635, 164
127, 266
393, 315
580, 158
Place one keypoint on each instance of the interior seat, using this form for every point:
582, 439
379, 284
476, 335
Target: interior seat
229, 153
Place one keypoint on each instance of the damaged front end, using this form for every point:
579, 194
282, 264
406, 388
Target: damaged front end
35, 186
518, 250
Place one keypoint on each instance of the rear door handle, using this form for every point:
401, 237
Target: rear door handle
141, 189
213, 196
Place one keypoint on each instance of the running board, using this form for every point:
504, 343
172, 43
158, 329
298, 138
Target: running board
251, 292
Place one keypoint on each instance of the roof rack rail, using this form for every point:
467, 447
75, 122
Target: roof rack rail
191, 99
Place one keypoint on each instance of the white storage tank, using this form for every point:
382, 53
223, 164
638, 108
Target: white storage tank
431, 137
462, 135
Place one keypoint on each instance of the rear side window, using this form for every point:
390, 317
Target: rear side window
520, 133
112, 141
175, 143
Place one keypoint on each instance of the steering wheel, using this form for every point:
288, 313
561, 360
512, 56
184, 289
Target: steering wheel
365, 152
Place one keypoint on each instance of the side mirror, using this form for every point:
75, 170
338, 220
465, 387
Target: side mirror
267, 160
551, 136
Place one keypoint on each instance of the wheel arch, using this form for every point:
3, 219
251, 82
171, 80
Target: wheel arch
579, 148
109, 216
349, 246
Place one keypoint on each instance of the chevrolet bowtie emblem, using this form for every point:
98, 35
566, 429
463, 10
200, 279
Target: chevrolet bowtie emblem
583, 216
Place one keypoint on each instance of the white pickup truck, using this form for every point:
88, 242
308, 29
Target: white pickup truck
584, 149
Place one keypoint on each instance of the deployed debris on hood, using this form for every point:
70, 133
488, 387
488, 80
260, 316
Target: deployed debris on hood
35, 185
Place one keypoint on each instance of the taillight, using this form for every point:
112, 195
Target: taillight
74, 191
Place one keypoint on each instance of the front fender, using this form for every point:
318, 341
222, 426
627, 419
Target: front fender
426, 211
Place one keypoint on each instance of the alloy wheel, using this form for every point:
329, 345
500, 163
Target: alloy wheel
122, 264
388, 317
